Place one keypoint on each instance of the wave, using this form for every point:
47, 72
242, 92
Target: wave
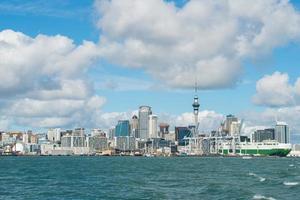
290, 183
258, 197
291, 165
261, 179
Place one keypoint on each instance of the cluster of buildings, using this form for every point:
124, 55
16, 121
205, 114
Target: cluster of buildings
144, 135
141, 135
280, 133
232, 126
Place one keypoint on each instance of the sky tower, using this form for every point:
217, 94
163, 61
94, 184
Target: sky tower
196, 106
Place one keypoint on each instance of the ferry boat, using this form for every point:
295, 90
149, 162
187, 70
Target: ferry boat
266, 148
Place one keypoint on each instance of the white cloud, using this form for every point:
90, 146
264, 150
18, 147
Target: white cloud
297, 87
268, 117
122, 83
275, 90
208, 120
108, 120
248, 130
54, 112
5, 123
65, 89
43, 78
31, 63
204, 39
44, 81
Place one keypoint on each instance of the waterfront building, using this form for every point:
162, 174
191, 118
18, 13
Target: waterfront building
34, 139
19, 148
98, 143
66, 132
154, 144
54, 135
134, 126
234, 129
295, 151
144, 112
227, 128
97, 132
180, 134
170, 136
78, 141
111, 133
153, 133
66, 141
73, 141
122, 128
79, 132
27, 137
42, 139
16, 135
282, 132
163, 130
125, 143
263, 135
33, 148
7, 139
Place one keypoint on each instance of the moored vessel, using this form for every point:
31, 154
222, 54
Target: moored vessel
266, 148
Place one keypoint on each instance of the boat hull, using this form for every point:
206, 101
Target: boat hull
260, 152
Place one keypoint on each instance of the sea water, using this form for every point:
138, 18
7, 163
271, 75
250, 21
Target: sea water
81, 177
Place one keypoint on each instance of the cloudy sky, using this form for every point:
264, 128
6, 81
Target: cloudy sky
89, 63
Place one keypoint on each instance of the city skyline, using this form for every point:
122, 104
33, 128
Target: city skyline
99, 66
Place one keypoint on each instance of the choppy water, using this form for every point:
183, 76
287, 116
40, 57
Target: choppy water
148, 178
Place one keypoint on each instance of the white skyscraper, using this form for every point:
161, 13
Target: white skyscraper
153, 133
282, 132
144, 113
234, 129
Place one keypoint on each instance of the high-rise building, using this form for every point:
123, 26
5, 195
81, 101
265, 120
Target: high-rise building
181, 133
234, 129
144, 112
263, 135
282, 132
163, 130
111, 133
122, 128
226, 126
153, 133
134, 126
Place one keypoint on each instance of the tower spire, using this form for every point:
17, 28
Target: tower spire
196, 105
196, 86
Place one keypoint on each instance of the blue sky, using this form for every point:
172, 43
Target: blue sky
126, 88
